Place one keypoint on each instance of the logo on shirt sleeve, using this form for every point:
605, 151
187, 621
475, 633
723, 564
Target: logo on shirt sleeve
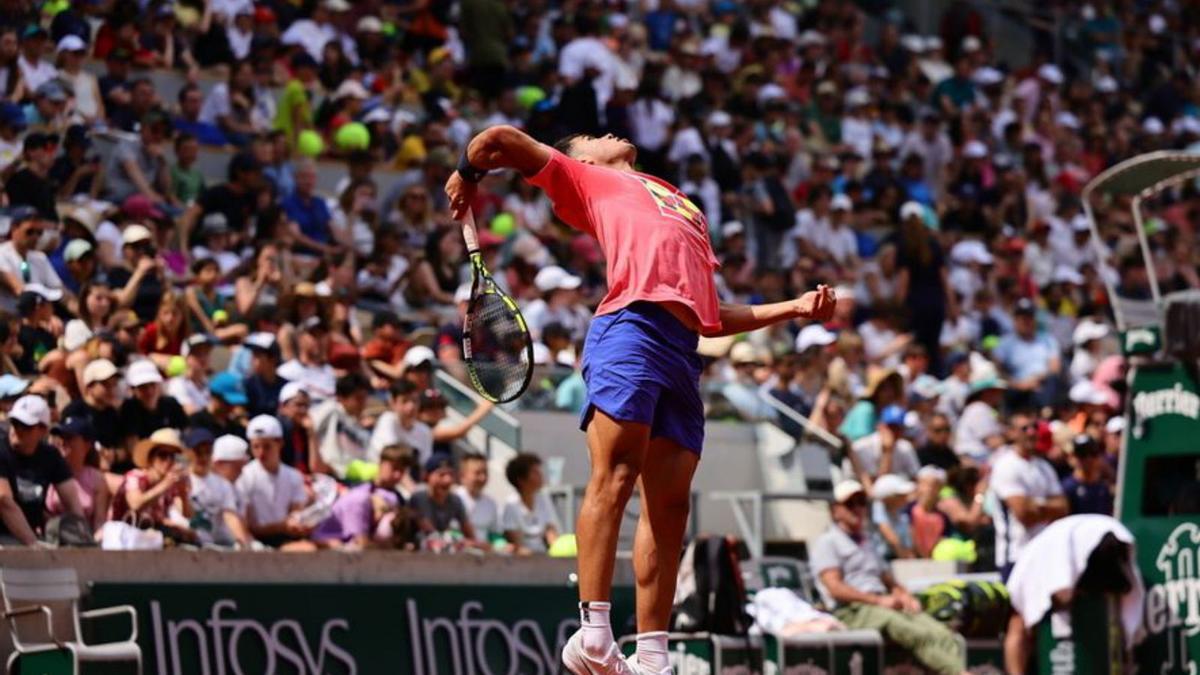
674, 204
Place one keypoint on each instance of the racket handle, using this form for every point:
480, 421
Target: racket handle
470, 236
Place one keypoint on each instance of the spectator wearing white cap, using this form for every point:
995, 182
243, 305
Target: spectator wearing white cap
98, 403
890, 494
229, 458
28, 467
1089, 347
139, 281
85, 89
272, 491
299, 442
560, 303
217, 519
148, 408
857, 583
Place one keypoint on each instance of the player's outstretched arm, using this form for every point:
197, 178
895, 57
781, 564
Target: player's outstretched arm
498, 147
815, 305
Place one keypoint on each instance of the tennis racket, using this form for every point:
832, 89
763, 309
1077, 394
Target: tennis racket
496, 343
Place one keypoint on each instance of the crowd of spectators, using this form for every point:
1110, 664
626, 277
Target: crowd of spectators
163, 323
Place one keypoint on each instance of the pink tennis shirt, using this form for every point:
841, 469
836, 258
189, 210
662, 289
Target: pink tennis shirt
654, 238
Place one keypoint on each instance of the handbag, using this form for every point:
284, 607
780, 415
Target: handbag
123, 535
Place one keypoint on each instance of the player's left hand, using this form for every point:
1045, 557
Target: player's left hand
461, 193
818, 305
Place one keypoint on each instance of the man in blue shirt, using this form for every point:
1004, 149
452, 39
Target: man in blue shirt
309, 211
1031, 358
191, 99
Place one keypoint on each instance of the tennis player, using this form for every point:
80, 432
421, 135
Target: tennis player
644, 417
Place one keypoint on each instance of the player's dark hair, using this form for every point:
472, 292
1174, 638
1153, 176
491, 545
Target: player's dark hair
520, 467
564, 144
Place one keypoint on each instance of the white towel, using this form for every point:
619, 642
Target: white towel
1055, 559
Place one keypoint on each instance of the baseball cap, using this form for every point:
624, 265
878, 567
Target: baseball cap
891, 485
197, 340
975, 150
843, 491
912, 209
431, 398
143, 372
264, 426
197, 436
555, 278
75, 335
11, 385
53, 90
290, 391
71, 43
1085, 392
841, 203
229, 448
814, 335
1025, 306
1083, 445
48, 294
30, 410
228, 387
214, 223
1051, 73
419, 355
99, 371
369, 24
351, 89
1115, 424
76, 249
135, 233
75, 425
732, 228
931, 471
141, 208
437, 461
892, 415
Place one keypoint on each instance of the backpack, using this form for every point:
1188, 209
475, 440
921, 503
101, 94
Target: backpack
709, 593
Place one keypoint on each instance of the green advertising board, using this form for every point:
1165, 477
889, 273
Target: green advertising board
220, 629
1159, 479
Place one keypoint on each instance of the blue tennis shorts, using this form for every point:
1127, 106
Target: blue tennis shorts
640, 365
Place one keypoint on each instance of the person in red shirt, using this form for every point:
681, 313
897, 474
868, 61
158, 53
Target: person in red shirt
643, 414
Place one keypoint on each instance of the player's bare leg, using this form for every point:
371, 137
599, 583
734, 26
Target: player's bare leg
666, 489
617, 450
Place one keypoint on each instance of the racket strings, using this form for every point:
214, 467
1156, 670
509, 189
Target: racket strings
499, 348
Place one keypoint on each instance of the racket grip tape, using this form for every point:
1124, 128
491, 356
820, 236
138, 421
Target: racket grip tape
470, 236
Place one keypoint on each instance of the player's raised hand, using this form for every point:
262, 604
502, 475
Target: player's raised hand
461, 193
818, 305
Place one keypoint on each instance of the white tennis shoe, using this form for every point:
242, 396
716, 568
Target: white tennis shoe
579, 663
639, 669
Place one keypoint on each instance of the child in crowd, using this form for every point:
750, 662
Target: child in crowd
529, 520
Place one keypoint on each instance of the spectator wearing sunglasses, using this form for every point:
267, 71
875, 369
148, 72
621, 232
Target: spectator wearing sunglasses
21, 262
857, 583
28, 467
1029, 493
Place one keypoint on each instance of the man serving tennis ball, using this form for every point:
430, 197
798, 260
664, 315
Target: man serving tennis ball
643, 417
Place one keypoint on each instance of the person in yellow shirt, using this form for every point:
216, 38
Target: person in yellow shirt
295, 110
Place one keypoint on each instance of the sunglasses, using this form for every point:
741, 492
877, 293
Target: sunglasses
938, 430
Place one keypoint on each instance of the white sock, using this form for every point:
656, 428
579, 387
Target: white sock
652, 651
597, 629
